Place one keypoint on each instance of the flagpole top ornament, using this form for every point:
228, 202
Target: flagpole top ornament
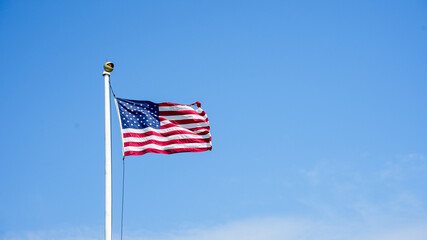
109, 66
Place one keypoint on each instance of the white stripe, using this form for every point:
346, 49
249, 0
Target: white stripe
172, 146
165, 139
188, 126
200, 130
181, 108
176, 108
186, 116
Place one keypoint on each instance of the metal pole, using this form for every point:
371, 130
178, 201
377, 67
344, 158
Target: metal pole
108, 198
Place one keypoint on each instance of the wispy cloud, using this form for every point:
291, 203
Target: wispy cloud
385, 203
257, 229
80, 233
403, 166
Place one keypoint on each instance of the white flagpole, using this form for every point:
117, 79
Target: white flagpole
108, 196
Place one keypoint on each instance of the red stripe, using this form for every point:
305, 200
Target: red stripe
168, 125
166, 104
152, 133
169, 151
174, 113
159, 143
187, 121
183, 112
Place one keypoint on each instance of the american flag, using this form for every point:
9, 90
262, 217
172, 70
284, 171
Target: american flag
167, 128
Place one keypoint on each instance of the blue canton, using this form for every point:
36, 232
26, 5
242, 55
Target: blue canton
138, 114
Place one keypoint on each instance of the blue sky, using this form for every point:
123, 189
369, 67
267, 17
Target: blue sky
317, 109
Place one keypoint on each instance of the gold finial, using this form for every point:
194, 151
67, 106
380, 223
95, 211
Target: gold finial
109, 66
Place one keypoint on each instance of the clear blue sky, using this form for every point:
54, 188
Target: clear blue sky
318, 113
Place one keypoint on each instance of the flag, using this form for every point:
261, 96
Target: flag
166, 128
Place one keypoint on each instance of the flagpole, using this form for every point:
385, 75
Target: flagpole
108, 189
